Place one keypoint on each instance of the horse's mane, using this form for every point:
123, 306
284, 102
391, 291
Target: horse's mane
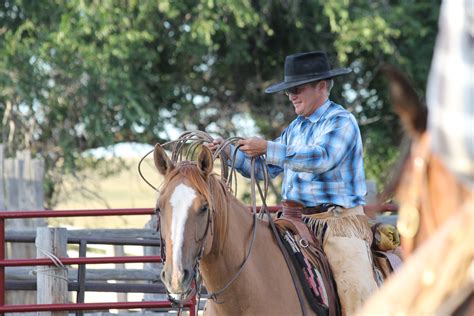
214, 190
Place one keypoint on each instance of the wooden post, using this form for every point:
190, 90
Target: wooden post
81, 277
2, 231
153, 251
119, 251
21, 188
371, 197
52, 281
3, 203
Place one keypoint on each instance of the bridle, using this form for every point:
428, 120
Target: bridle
417, 202
196, 284
199, 137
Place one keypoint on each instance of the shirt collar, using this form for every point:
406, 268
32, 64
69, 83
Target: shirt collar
313, 118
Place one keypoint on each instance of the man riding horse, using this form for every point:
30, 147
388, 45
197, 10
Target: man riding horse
320, 154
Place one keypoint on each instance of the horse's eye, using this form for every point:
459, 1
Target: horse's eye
157, 210
203, 209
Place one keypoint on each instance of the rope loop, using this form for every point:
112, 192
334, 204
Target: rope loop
184, 148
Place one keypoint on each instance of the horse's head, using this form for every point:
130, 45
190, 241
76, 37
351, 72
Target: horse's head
407, 182
427, 191
185, 209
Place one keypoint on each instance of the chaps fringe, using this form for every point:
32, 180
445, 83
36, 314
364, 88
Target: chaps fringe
339, 226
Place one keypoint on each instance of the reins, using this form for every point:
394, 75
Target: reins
198, 138
264, 211
179, 153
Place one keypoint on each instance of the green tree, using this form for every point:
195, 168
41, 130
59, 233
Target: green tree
76, 75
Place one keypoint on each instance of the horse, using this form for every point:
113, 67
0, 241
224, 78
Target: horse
428, 192
435, 186
206, 229
435, 221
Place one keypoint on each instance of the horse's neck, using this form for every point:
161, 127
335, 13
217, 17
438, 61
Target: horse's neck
441, 198
218, 267
446, 192
264, 275
228, 247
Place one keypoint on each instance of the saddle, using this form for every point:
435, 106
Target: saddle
309, 260
385, 249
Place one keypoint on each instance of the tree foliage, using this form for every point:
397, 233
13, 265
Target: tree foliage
76, 75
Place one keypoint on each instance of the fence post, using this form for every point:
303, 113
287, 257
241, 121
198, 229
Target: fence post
52, 281
2, 231
152, 266
371, 197
3, 203
22, 189
119, 251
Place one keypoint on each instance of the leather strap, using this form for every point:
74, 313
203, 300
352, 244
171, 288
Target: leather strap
286, 255
318, 208
292, 215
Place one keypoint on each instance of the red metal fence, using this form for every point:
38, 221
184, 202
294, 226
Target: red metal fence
191, 305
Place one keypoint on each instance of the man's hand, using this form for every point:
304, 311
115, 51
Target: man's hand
253, 146
215, 144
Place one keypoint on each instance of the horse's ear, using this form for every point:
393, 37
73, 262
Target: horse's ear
205, 161
162, 163
407, 104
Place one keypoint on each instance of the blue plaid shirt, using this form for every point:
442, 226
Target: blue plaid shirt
320, 156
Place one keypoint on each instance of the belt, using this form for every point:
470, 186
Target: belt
298, 207
321, 208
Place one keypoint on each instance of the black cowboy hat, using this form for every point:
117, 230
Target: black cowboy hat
302, 68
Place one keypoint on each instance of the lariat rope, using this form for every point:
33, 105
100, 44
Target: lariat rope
198, 138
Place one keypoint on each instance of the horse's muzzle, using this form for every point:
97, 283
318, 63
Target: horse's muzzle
182, 298
177, 282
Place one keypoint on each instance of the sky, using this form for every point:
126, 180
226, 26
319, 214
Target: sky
125, 150
244, 123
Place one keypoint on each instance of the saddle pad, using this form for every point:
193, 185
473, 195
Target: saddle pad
395, 260
314, 275
387, 262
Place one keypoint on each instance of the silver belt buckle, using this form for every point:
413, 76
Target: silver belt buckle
336, 210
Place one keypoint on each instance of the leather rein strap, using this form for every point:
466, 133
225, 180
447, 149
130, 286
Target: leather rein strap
214, 294
416, 204
264, 210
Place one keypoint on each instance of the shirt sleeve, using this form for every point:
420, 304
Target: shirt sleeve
321, 154
243, 164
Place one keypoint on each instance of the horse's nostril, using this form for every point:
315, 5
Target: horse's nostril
186, 274
162, 275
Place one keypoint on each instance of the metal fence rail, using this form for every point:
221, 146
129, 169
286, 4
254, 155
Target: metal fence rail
191, 305
90, 306
68, 261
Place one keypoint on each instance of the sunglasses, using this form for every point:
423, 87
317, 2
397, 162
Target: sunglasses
298, 89
293, 90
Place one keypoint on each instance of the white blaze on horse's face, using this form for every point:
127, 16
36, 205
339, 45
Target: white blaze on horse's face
181, 201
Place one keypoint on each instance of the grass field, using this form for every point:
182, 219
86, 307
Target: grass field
122, 190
